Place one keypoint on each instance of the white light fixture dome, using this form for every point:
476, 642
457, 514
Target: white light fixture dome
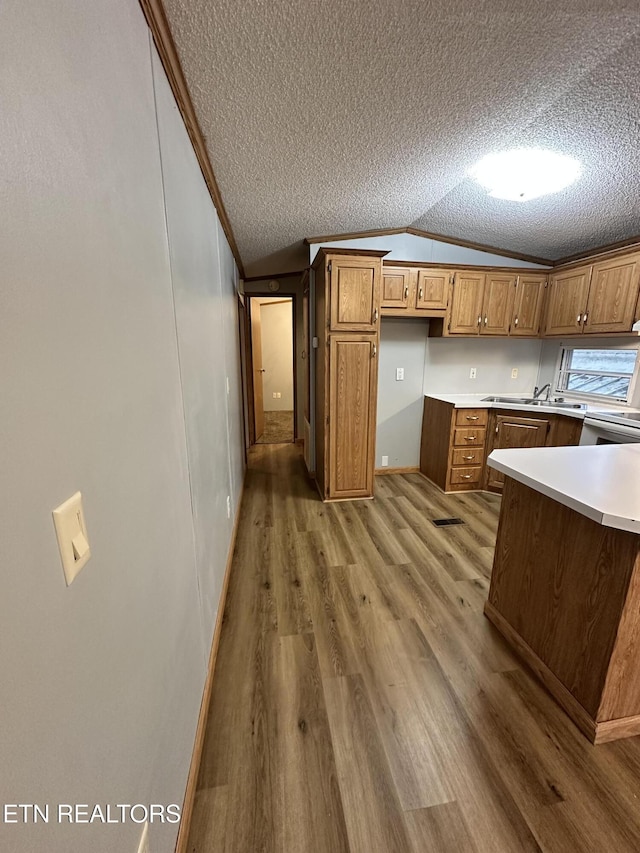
525, 173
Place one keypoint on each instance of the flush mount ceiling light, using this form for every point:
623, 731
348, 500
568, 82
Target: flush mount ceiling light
525, 173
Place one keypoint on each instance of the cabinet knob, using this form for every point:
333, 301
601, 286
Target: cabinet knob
485, 319
585, 317
479, 321
420, 294
515, 322
374, 351
406, 290
375, 316
579, 319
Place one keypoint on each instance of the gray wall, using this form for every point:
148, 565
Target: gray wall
106, 388
277, 354
439, 366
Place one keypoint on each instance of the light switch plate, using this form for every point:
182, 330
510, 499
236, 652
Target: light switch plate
514, 373
71, 532
399, 374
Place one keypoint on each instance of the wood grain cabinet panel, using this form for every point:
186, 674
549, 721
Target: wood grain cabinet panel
433, 289
568, 294
353, 379
355, 285
465, 315
471, 417
395, 287
497, 304
613, 295
527, 308
466, 456
506, 431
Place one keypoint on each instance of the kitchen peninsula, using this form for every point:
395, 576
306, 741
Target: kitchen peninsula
565, 586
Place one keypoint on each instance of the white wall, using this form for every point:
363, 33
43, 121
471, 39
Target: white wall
411, 247
102, 681
277, 354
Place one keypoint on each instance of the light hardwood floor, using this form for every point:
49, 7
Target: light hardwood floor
362, 702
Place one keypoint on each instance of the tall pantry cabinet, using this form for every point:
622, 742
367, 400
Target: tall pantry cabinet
348, 287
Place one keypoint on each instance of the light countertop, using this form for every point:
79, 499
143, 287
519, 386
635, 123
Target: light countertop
601, 482
475, 401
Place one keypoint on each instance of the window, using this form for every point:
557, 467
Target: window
600, 373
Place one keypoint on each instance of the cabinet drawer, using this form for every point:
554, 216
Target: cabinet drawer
469, 437
460, 476
471, 417
466, 456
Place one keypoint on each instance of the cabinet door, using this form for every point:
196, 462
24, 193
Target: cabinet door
433, 289
527, 309
353, 370
354, 285
612, 296
497, 305
395, 287
466, 303
568, 302
511, 432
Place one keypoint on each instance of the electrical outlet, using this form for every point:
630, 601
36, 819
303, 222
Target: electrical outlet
143, 846
514, 373
385, 461
274, 395
472, 373
279, 395
399, 374
228, 506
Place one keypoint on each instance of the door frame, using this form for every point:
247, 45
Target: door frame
249, 358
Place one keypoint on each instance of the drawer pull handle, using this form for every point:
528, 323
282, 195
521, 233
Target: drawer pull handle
585, 318
479, 321
472, 417
516, 321
406, 290
375, 316
485, 319
579, 319
466, 476
468, 458
470, 437
420, 294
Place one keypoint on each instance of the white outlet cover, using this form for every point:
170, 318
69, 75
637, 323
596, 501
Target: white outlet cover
385, 461
143, 846
71, 533
399, 374
472, 373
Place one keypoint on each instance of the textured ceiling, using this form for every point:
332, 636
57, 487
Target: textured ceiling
323, 117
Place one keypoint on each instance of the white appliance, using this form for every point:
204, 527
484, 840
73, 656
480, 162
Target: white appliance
611, 428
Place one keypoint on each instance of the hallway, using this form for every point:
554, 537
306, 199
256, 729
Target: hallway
362, 702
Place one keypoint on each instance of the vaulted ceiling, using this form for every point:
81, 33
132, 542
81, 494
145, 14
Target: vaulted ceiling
322, 116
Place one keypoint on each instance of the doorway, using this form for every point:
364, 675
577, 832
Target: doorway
271, 326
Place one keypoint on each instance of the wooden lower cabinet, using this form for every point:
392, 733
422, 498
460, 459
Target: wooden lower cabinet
456, 442
353, 371
452, 450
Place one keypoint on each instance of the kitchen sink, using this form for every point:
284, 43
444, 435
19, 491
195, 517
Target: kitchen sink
530, 401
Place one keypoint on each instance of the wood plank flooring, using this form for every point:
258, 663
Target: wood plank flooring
361, 701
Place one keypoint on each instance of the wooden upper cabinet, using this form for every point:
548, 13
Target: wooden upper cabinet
352, 415
395, 287
527, 308
613, 295
497, 305
354, 286
465, 313
433, 289
567, 302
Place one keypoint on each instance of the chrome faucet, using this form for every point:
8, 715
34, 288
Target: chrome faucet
538, 391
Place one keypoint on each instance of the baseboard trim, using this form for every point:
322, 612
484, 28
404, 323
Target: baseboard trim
556, 688
609, 730
196, 756
411, 469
